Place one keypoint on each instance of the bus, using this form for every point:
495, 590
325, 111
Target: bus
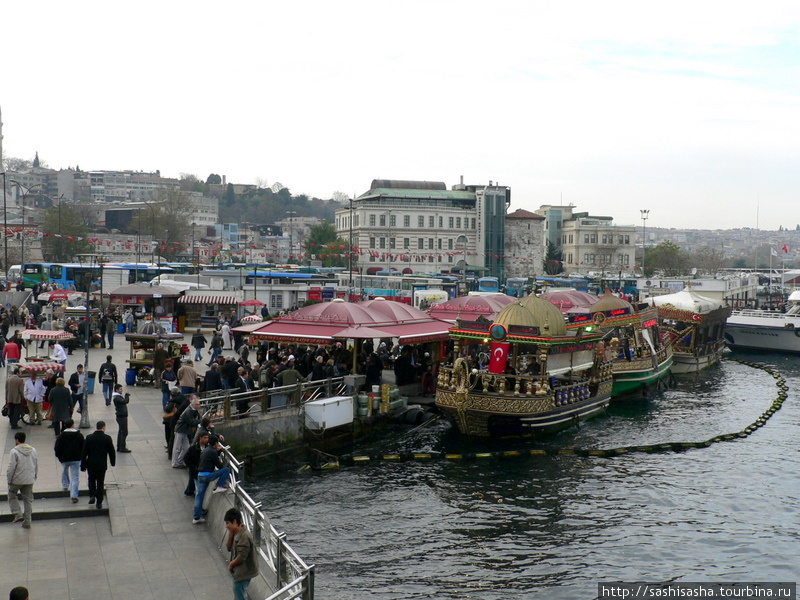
142, 271
395, 287
516, 286
489, 284
14, 273
627, 285
576, 283
73, 276
182, 268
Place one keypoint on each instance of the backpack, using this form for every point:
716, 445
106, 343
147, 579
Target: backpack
264, 377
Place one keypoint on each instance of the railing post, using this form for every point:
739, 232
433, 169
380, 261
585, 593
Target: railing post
329, 387
309, 588
299, 392
279, 560
227, 407
265, 400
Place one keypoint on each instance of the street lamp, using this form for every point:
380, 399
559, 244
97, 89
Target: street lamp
5, 226
645, 215
86, 260
291, 214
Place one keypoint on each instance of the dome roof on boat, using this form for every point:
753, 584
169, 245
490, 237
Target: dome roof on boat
687, 299
533, 311
609, 301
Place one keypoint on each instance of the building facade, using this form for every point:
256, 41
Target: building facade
592, 243
525, 244
422, 227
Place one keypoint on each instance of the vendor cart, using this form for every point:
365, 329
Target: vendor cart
141, 357
33, 337
40, 368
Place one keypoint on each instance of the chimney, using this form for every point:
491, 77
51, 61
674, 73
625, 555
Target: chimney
223, 180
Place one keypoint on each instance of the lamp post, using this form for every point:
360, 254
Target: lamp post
5, 226
86, 260
350, 251
645, 214
291, 214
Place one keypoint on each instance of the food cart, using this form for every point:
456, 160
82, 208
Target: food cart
40, 368
143, 345
42, 335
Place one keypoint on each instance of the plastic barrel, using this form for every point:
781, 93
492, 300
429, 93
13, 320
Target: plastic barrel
90, 382
120, 327
130, 377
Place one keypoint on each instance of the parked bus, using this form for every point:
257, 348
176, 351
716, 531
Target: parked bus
142, 271
516, 286
488, 284
576, 283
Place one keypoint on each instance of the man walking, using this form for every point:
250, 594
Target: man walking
184, 431
76, 382
97, 452
69, 448
15, 390
121, 412
111, 329
34, 394
23, 468
244, 563
209, 469
187, 378
199, 342
108, 375
215, 347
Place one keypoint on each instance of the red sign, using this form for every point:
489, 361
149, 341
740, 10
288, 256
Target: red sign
617, 312
649, 323
499, 356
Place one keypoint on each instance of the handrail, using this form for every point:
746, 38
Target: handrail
292, 577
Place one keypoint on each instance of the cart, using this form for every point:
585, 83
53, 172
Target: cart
25, 369
141, 357
42, 335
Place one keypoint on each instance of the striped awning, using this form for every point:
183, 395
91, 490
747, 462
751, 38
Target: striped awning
41, 367
208, 299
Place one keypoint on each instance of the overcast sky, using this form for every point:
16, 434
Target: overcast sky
688, 109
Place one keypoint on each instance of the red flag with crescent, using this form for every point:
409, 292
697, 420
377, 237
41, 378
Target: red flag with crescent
499, 357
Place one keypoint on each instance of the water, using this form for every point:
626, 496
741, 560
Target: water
554, 526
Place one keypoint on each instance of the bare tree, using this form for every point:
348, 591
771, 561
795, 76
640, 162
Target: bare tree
340, 197
261, 183
277, 187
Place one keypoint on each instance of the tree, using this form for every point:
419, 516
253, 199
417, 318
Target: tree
170, 222
328, 248
708, 260
667, 258
230, 195
340, 197
552, 259
63, 227
16, 164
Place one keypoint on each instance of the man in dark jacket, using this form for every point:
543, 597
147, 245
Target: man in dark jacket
69, 448
76, 382
230, 373
108, 377
184, 431
98, 451
192, 461
212, 379
209, 469
199, 342
121, 411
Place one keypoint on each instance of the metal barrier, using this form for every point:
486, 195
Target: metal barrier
288, 573
218, 404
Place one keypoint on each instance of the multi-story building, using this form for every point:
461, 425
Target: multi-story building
525, 245
421, 226
597, 244
128, 186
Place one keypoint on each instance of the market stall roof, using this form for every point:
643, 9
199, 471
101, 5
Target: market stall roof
395, 312
335, 312
302, 333
416, 333
687, 299
145, 290
469, 308
41, 367
571, 301
59, 295
45, 334
208, 298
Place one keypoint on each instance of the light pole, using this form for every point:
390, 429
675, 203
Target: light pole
645, 215
5, 226
350, 250
86, 260
291, 214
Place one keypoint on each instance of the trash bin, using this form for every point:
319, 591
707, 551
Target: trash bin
90, 382
120, 327
130, 377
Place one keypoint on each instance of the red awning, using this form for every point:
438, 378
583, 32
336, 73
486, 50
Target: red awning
41, 367
417, 333
44, 334
210, 299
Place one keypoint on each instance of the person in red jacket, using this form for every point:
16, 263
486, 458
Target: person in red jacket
11, 352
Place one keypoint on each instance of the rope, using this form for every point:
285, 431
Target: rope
780, 383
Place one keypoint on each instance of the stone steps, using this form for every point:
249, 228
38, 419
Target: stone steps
55, 505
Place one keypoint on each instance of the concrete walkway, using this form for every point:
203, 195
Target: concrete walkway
146, 548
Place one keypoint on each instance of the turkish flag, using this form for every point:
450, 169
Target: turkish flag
497, 362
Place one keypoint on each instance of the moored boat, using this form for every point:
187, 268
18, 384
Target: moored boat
522, 373
766, 330
696, 325
640, 355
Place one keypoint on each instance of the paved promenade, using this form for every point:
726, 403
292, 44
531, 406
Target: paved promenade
146, 548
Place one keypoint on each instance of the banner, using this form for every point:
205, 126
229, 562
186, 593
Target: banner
499, 357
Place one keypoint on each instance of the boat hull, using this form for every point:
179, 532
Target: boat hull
754, 335
631, 377
498, 415
686, 363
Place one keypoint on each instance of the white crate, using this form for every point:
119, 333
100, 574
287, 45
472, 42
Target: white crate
329, 412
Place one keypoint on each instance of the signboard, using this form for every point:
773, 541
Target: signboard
649, 323
523, 330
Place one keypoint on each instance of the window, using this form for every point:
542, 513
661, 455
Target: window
585, 238
450, 244
593, 238
441, 222
621, 240
383, 242
430, 243
466, 223
383, 221
391, 243
458, 222
430, 258
450, 222
392, 221
430, 222
406, 221
421, 243
420, 221
473, 223
276, 300
627, 239
372, 242
405, 243
439, 243
371, 258
372, 220
449, 259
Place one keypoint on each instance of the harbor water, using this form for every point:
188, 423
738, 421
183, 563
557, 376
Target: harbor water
553, 526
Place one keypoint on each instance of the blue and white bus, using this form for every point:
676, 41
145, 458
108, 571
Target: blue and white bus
576, 283
489, 284
516, 286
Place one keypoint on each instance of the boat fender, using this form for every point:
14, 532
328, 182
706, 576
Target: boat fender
797, 332
789, 326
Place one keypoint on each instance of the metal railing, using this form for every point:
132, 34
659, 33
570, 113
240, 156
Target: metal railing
219, 403
288, 573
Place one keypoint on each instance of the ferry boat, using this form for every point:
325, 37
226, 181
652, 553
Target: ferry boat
522, 373
640, 355
696, 325
765, 330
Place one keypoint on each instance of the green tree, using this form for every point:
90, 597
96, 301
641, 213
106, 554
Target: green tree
668, 259
552, 259
63, 227
230, 195
328, 248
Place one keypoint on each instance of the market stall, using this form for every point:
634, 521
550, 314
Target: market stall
143, 345
42, 335
154, 303
203, 307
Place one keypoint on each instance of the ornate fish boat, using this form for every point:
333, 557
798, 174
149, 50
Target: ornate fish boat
523, 373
